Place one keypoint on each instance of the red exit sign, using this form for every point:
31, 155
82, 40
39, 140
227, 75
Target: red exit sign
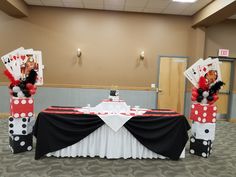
223, 53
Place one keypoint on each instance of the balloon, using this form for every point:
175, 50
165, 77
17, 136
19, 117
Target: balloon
11, 92
193, 98
211, 102
32, 91
194, 93
26, 93
29, 86
199, 98
194, 89
205, 94
200, 91
14, 94
210, 98
20, 94
11, 86
16, 89
215, 98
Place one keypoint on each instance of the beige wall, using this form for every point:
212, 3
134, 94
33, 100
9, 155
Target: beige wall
222, 35
110, 42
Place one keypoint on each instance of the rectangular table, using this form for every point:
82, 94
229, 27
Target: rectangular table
62, 131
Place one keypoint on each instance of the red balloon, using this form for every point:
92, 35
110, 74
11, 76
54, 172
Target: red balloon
193, 98
215, 98
194, 89
32, 91
11, 92
211, 102
29, 86
194, 93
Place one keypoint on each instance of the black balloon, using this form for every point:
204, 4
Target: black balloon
199, 98
26, 93
11, 86
200, 91
211, 92
210, 98
14, 94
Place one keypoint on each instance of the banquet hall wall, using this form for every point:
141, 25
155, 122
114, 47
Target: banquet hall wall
110, 43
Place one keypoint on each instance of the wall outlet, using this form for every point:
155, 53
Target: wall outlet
153, 85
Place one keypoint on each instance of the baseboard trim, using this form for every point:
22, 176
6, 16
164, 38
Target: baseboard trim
109, 87
4, 115
232, 120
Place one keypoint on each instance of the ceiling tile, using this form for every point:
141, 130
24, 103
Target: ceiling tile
176, 8
93, 1
147, 6
33, 2
193, 8
134, 9
93, 6
152, 4
72, 1
136, 3
114, 2
73, 4
52, 3
152, 10
113, 7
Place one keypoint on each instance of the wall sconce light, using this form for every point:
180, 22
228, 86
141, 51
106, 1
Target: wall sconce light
142, 55
79, 53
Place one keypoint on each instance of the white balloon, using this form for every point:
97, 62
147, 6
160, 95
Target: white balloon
205, 94
16, 89
20, 94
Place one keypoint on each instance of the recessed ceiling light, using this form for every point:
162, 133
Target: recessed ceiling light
187, 1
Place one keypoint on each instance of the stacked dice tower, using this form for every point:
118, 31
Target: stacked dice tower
203, 118
21, 122
24, 69
206, 78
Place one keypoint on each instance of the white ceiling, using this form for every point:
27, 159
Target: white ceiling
142, 6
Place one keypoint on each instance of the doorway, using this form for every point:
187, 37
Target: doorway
171, 83
225, 93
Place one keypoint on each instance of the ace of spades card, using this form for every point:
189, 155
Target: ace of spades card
193, 74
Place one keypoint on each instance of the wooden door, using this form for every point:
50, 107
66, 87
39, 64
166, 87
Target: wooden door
171, 86
222, 103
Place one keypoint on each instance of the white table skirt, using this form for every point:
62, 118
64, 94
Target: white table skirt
104, 142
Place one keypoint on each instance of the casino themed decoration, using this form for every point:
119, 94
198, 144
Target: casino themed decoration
24, 69
114, 95
205, 75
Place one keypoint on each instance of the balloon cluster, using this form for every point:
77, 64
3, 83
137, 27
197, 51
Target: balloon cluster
206, 94
22, 88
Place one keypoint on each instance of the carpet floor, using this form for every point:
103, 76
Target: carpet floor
221, 163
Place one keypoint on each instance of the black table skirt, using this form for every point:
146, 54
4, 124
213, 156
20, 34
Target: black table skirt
162, 131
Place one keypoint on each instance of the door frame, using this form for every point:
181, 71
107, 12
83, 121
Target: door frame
158, 74
232, 60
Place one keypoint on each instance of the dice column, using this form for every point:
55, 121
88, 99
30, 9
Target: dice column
21, 122
203, 118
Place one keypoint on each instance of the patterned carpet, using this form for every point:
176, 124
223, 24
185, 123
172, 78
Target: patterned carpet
221, 163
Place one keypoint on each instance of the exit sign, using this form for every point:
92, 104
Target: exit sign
223, 53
